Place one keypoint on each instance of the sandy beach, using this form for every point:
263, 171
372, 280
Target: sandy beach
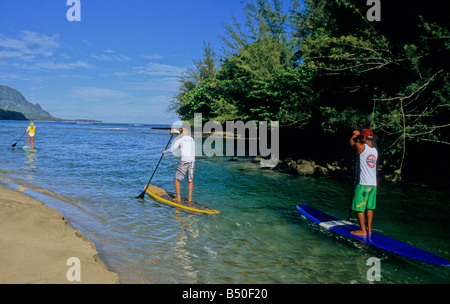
38, 246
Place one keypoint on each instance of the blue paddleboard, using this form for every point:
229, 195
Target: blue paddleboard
374, 239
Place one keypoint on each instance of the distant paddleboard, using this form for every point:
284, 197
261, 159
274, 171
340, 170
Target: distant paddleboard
162, 196
374, 239
29, 150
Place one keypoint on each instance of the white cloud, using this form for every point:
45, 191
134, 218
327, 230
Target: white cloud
160, 100
152, 56
63, 66
33, 51
122, 74
157, 69
15, 54
91, 93
51, 65
109, 55
28, 46
157, 84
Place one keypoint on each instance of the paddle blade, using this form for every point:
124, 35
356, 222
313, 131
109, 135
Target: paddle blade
141, 196
13, 145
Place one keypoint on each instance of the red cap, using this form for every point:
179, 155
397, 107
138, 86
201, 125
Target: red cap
367, 133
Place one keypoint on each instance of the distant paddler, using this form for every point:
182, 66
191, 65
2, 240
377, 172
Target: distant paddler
31, 134
183, 145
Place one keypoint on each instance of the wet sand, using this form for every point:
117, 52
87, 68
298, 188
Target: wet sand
38, 246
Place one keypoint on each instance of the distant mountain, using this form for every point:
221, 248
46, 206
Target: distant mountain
11, 115
13, 104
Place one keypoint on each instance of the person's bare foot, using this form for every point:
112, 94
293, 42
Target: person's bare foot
359, 232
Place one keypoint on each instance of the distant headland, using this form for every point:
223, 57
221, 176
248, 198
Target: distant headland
14, 106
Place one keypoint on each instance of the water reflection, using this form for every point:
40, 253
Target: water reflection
29, 166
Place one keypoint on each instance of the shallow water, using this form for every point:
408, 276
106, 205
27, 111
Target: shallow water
93, 172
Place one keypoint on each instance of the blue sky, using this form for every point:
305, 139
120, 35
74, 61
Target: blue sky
120, 63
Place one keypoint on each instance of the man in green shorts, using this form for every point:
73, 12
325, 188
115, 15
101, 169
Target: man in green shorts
364, 201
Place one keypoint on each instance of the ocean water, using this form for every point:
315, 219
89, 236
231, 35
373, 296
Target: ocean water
92, 173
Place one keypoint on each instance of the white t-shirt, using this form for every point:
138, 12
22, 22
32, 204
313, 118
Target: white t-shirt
368, 166
184, 145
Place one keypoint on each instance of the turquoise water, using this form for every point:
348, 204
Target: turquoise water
93, 172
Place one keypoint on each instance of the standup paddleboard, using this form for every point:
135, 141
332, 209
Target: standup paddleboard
374, 239
162, 196
28, 150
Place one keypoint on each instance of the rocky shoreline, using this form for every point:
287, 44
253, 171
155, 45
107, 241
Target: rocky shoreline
309, 167
305, 167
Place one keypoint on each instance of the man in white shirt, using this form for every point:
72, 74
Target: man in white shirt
184, 145
364, 200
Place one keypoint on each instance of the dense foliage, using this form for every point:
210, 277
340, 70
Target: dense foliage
11, 115
322, 65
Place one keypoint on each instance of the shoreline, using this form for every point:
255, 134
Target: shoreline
39, 246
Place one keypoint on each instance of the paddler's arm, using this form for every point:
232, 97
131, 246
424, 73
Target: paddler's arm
174, 146
167, 151
358, 147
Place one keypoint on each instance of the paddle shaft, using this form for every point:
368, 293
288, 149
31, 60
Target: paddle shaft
142, 195
13, 145
353, 189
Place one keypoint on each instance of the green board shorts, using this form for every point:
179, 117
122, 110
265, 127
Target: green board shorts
365, 198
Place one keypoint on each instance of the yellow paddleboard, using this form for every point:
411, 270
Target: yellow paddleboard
162, 196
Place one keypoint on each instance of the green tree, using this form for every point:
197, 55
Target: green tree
369, 74
203, 72
322, 65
